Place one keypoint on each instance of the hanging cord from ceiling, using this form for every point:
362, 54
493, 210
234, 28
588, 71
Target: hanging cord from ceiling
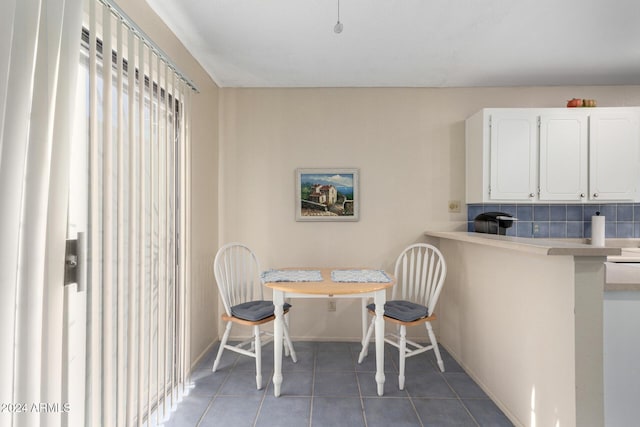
338, 27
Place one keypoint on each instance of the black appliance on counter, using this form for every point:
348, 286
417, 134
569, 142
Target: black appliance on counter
493, 222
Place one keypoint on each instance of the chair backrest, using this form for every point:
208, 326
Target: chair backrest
237, 274
420, 272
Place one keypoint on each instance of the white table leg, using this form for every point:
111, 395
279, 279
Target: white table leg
380, 299
278, 301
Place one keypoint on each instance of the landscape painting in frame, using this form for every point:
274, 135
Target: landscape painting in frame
327, 195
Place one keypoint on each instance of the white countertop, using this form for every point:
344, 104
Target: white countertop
570, 247
620, 275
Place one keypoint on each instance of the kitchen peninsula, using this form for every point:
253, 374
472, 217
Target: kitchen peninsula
524, 318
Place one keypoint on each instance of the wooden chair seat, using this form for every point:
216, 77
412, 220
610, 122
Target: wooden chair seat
245, 322
400, 322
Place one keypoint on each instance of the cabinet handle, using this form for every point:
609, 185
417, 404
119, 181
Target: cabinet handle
531, 195
595, 194
582, 195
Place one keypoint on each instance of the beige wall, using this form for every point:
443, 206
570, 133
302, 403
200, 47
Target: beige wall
409, 146
508, 318
204, 174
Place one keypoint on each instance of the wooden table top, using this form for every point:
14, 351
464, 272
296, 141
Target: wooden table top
328, 286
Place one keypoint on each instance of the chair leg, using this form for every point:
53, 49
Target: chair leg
434, 343
288, 345
225, 337
365, 316
367, 339
258, 351
287, 342
403, 355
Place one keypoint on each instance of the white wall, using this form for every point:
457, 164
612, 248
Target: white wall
409, 146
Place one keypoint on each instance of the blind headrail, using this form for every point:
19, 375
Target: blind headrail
115, 9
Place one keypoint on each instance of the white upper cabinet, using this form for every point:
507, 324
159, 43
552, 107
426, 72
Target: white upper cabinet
506, 139
513, 147
614, 155
553, 155
564, 145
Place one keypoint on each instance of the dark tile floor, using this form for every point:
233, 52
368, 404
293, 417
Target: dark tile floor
327, 387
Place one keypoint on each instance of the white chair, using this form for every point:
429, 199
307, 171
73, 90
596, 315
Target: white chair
420, 272
237, 274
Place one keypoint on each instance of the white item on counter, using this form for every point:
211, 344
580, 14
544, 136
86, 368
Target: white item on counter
597, 230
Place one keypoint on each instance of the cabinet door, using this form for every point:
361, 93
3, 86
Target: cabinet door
614, 164
513, 148
563, 156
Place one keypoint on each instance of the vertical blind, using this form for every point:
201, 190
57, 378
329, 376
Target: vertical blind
138, 309
38, 66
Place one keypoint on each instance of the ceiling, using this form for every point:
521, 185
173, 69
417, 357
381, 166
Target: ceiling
410, 43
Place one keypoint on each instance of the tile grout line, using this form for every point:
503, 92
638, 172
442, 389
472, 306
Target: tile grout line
460, 399
313, 385
415, 410
204, 413
364, 415
413, 405
264, 395
215, 395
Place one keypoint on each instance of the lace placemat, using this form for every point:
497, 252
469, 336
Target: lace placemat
362, 276
291, 276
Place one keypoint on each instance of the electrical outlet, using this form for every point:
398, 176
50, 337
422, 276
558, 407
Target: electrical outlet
454, 206
536, 228
332, 305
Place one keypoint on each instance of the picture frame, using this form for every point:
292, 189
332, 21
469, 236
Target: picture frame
327, 194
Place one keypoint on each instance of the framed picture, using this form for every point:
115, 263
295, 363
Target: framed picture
327, 195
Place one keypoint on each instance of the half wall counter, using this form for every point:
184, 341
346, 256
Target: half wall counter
524, 317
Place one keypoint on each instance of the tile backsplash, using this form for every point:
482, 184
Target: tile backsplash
564, 220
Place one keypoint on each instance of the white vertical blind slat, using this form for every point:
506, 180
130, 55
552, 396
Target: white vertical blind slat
172, 260
182, 262
159, 235
170, 242
187, 231
29, 298
170, 246
150, 239
108, 237
94, 365
174, 255
56, 307
186, 359
163, 247
142, 232
121, 359
132, 253
155, 313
